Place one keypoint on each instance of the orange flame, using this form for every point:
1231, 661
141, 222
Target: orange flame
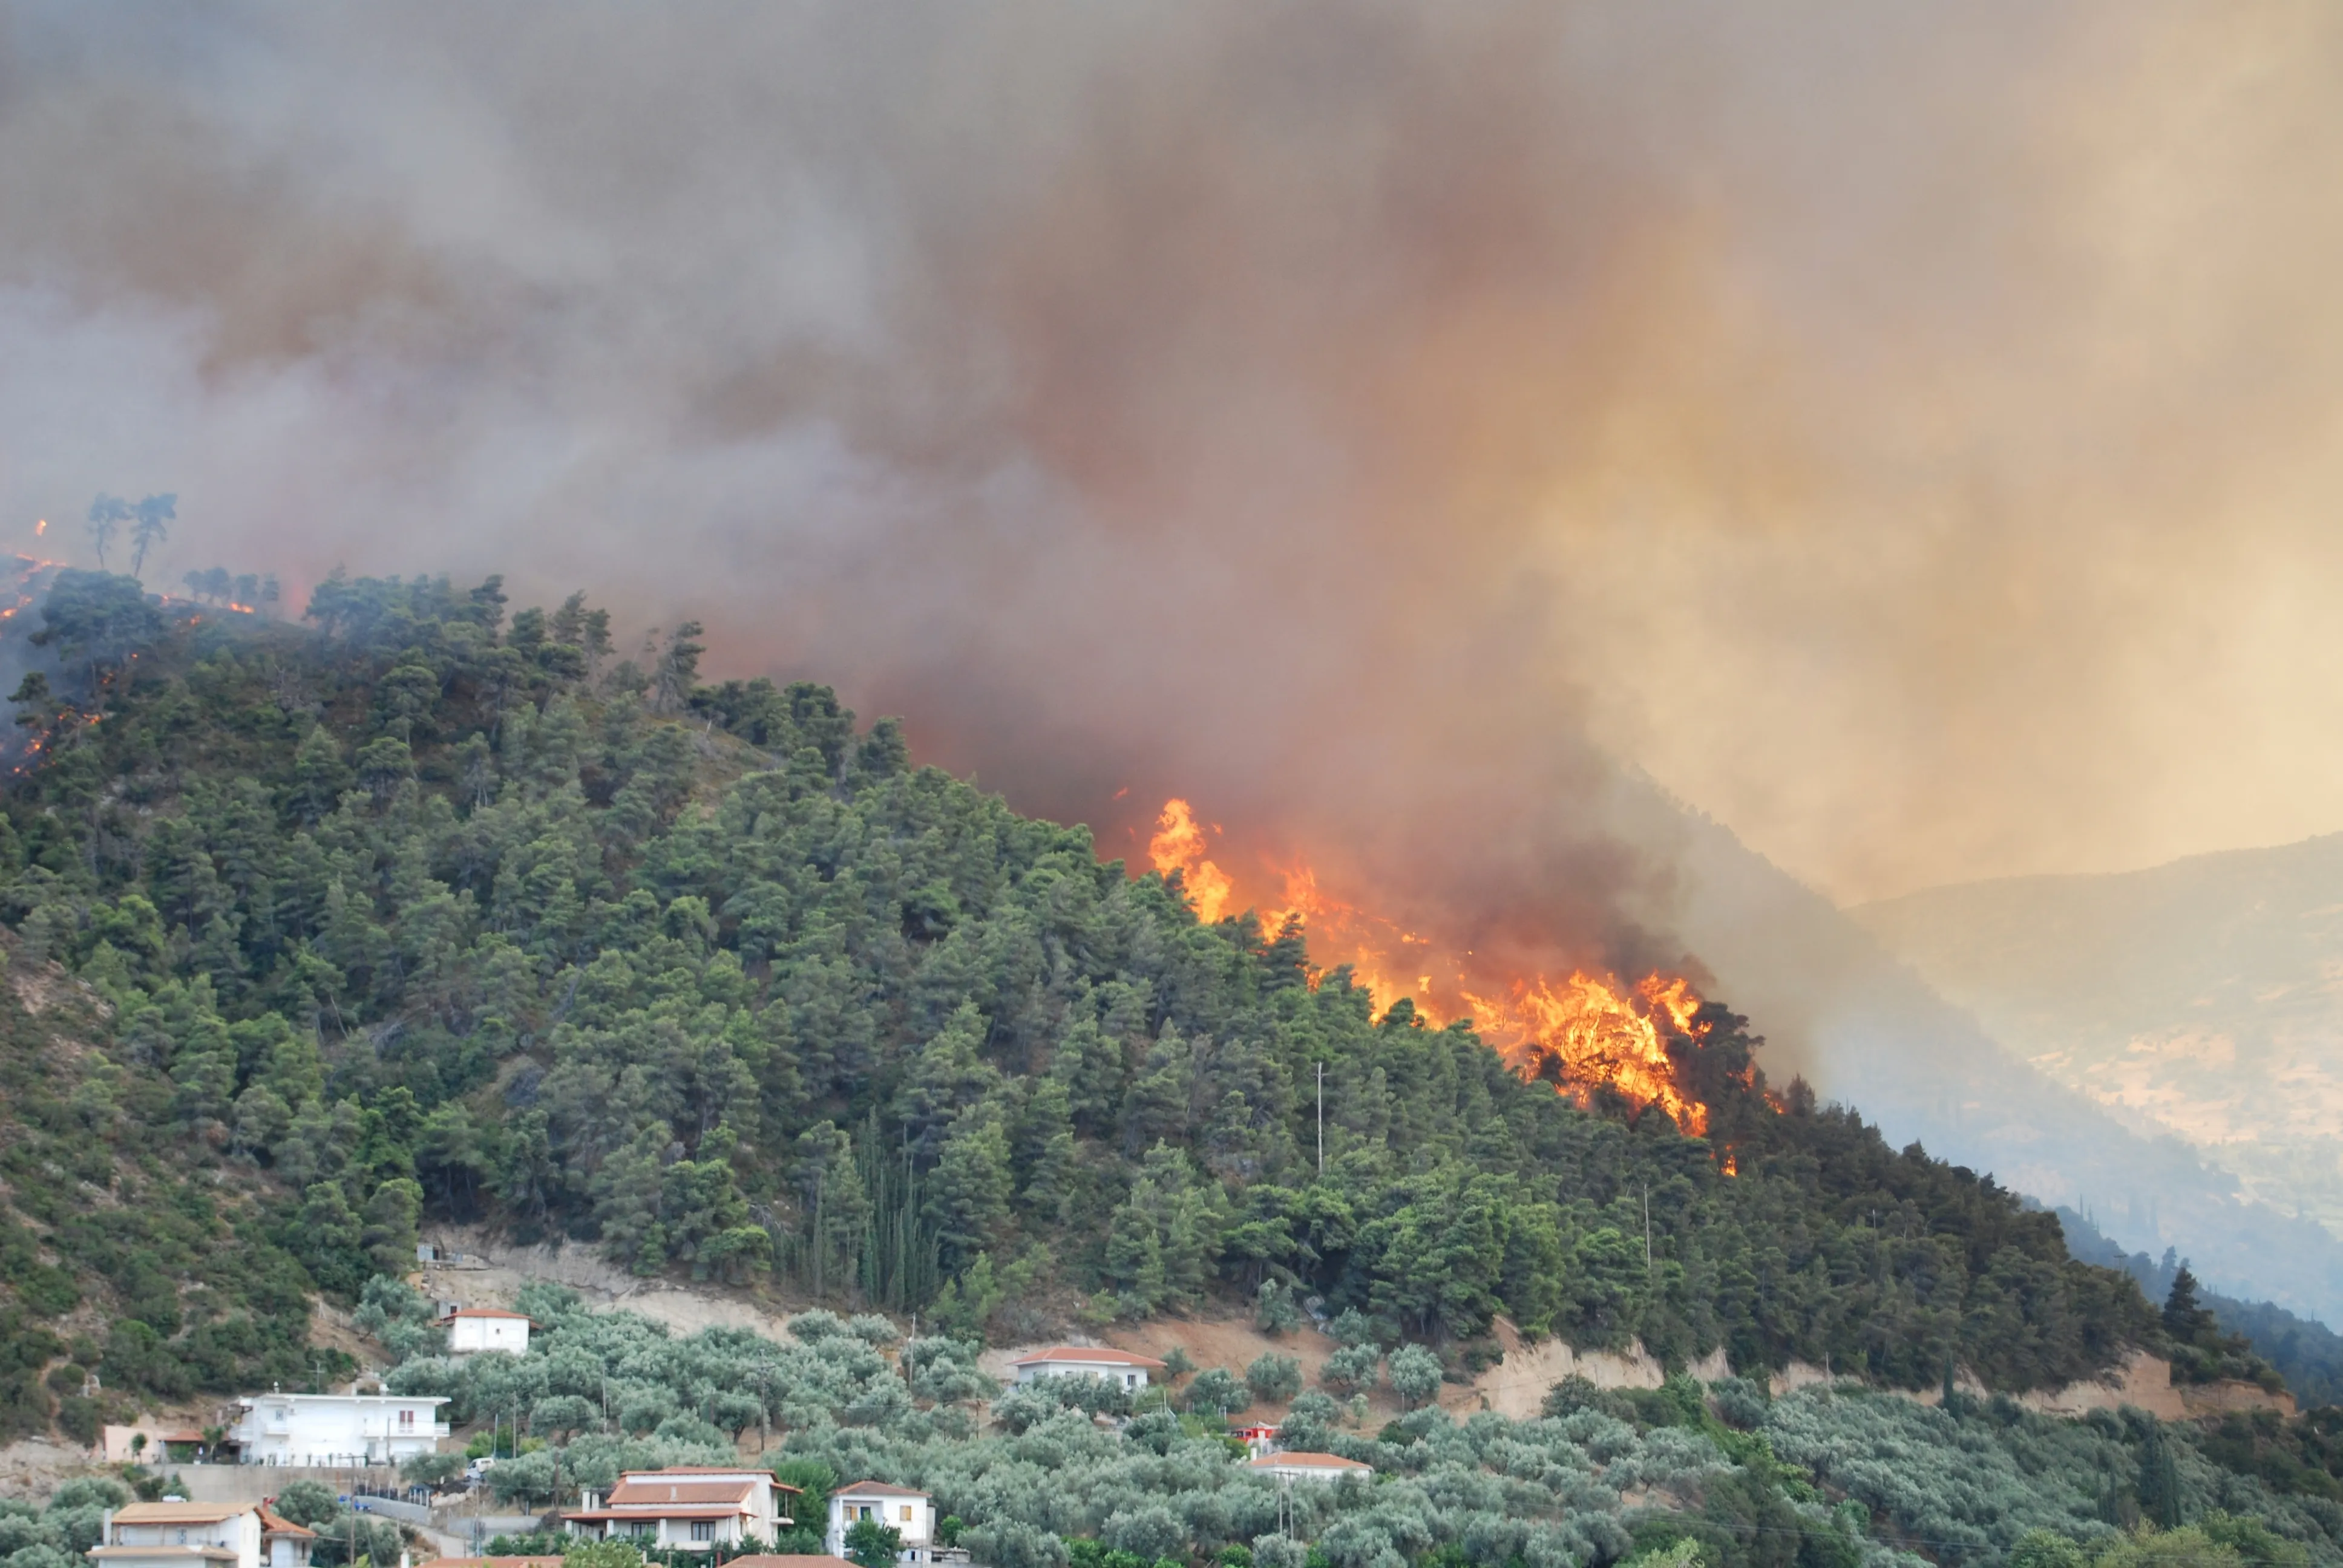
1582, 1032
1179, 846
40, 527
1589, 1032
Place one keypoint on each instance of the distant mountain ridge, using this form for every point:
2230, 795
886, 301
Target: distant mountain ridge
1873, 1030
2201, 999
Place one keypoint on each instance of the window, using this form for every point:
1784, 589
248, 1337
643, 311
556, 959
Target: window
407, 1421
703, 1530
183, 1538
907, 1513
861, 1511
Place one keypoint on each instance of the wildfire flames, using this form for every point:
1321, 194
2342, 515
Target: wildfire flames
1179, 845
1580, 1031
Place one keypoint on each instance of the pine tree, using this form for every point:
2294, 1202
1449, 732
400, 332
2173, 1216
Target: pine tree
2187, 1323
2158, 1487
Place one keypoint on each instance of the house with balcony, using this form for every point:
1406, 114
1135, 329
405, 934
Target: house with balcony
694, 1507
336, 1429
1121, 1368
910, 1515
201, 1535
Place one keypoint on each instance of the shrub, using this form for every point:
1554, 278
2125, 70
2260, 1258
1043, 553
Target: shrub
1216, 1389
308, 1503
1416, 1373
813, 1327
1274, 1309
1354, 1366
1273, 1378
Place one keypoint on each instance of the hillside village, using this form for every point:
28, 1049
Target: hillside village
381, 1464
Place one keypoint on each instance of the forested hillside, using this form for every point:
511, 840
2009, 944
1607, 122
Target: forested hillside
2308, 1354
421, 909
121, 1252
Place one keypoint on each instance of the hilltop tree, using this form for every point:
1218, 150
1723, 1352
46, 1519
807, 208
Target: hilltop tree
154, 516
2184, 1319
106, 515
677, 668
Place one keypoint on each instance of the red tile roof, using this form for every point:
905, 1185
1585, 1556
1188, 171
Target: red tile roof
275, 1523
1308, 1462
875, 1489
1096, 1355
787, 1559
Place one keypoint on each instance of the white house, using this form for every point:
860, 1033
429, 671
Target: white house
471, 1330
1118, 1367
337, 1429
910, 1515
201, 1535
696, 1507
1326, 1467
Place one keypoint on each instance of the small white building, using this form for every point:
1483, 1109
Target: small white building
471, 1330
1326, 1467
696, 1507
337, 1429
1121, 1368
201, 1535
910, 1515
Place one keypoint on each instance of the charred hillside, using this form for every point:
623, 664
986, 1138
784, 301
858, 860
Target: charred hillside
421, 908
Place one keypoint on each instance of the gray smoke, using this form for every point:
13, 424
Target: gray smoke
1901, 431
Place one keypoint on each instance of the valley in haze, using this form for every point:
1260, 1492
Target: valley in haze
2201, 1000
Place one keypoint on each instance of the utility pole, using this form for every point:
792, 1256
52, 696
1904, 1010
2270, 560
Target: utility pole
1321, 1118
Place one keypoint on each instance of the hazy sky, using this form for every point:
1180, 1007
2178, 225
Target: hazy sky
1907, 431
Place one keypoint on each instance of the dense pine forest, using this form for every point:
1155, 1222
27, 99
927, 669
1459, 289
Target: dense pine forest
419, 908
422, 908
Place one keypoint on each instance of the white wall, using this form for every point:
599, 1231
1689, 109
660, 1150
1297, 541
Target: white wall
1119, 1376
337, 1429
918, 1529
467, 1336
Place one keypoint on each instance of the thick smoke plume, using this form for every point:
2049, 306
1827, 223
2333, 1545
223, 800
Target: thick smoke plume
1901, 431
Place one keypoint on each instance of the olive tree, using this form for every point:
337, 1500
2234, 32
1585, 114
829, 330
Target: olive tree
1415, 1374
1273, 1378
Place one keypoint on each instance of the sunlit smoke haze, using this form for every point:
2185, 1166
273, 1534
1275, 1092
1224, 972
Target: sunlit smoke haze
1904, 434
